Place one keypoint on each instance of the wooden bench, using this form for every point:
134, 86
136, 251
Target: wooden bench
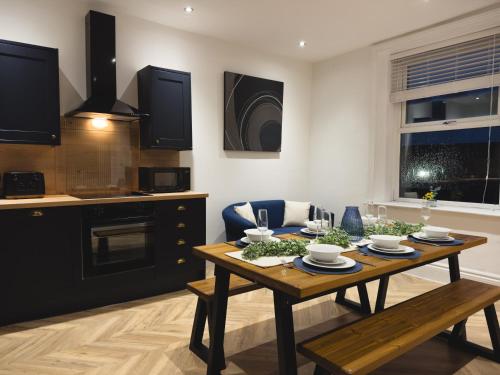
367, 344
205, 290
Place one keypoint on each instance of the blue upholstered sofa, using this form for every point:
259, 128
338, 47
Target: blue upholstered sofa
235, 224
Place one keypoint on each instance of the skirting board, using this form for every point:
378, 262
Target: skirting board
440, 273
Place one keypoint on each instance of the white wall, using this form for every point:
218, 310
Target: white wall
340, 156
227, 176
354, 142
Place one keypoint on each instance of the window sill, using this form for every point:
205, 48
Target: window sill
489, 212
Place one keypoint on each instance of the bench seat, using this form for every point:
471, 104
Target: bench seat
205, 289
367, 344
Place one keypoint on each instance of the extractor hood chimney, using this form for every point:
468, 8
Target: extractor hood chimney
101, 73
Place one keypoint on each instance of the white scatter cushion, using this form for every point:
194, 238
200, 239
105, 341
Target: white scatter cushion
296, 213
246, 212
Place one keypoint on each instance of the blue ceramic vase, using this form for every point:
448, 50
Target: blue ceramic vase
352, 223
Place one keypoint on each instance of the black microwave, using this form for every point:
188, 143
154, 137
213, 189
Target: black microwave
164, 180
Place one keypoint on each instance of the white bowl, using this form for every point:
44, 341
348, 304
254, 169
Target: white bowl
324, 252
313, 226
255, 235
385, 241
436, 232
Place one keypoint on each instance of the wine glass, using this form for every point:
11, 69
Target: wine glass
262, 222
318, 219
425, 212
382, 214
370, 211
326, 223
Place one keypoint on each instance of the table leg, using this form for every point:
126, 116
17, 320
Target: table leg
454, 268
285, 334
363, 306
459, 331
216, 349
363, 299
382, 293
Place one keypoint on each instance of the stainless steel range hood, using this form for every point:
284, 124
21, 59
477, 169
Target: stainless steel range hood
101, 73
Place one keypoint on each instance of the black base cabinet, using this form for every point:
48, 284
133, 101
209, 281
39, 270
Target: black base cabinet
37, 265
41, 269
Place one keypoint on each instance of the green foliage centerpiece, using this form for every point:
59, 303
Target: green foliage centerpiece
268, 249
336, 236
396, 228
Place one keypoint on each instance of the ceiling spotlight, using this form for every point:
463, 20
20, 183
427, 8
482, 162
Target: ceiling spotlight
188, 9
302, 43
477, 98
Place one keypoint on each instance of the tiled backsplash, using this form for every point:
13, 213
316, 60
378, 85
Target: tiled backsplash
88, 159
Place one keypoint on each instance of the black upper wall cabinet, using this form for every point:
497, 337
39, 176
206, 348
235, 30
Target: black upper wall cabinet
166, 95
29, 94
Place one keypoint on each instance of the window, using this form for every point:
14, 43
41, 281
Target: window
474, 103
455, 161
450, 123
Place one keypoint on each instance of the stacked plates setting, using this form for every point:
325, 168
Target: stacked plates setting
341, 262
400, 250
309, 232
247, 240
421, 236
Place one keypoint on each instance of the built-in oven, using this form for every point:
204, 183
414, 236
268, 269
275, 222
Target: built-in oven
117, 238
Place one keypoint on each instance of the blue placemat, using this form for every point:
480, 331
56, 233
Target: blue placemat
307, 235
365, 250
306, 267
440, 243
240, 244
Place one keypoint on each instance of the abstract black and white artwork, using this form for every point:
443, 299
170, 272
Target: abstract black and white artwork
253, 110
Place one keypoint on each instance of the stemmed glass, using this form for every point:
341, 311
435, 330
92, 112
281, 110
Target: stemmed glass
425, 212
318, 219
262, 222
326, 223
382, 214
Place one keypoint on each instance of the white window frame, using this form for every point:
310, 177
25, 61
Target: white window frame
456, 124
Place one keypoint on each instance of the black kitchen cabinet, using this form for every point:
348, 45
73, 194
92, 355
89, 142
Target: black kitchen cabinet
37, 266
181, 226
42, 271
29, 94
166, 95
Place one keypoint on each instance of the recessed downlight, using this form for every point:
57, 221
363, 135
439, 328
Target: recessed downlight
188, 9
302, 43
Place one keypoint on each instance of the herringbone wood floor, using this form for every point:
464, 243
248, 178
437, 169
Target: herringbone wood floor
150, 337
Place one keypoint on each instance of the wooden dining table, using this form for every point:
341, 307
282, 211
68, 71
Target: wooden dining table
296, 286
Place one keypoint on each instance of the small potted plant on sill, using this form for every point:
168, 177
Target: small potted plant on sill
430, 197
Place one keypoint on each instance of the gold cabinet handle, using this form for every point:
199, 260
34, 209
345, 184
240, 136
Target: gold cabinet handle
36, 213
181, 261
181, 208
181, 242
181, 225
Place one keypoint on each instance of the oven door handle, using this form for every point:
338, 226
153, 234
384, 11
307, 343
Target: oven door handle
110, 232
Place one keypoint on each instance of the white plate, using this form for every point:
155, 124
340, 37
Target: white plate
401, 250
422, 236
348, 263
394, 250
312, 232
337, 262
247, 240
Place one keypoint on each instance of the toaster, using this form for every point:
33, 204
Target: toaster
23, 185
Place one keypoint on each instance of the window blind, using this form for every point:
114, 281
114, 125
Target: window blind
473, 64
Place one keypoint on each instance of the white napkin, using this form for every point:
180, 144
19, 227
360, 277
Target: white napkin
262, 261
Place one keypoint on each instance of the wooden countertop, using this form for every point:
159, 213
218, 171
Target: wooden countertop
67, 200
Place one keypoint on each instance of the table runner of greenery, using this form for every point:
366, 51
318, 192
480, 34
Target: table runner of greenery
335, 236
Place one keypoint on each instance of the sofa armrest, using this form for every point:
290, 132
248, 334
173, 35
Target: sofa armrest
235, 224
